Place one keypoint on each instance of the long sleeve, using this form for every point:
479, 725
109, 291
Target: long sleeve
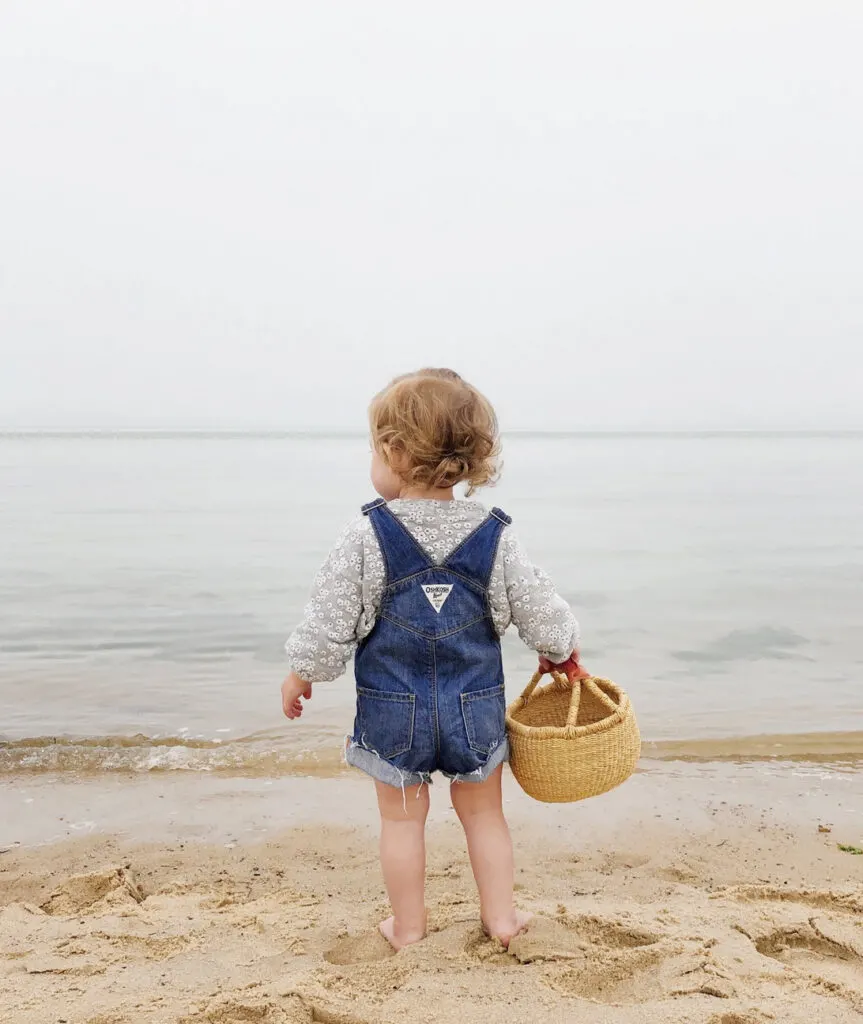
542, 617
326, 639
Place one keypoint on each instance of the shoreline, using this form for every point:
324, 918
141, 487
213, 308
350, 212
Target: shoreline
274, 753
692, 893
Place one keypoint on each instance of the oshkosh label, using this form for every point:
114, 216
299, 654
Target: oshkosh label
437, 593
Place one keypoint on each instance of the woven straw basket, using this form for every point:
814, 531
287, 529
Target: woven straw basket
569, 741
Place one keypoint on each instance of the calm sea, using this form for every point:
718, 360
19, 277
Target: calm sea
147, 585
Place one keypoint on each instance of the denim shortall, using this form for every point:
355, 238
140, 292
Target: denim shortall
430, 693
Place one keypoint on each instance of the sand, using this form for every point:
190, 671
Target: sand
735, 914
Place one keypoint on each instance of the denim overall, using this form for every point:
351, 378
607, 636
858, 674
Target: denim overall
430, 675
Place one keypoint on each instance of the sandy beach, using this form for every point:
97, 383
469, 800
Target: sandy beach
592, 266
689, 895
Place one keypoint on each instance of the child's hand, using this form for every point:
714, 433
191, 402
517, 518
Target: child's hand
292, 689
572, 667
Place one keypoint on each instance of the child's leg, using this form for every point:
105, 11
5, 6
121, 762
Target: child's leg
479, 806
403, 860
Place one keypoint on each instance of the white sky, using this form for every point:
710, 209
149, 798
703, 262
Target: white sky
623, 214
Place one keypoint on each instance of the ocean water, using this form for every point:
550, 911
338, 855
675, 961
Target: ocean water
147, 585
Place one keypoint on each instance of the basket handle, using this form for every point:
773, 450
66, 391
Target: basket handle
564, 684
561, 681
532, 685
601, 695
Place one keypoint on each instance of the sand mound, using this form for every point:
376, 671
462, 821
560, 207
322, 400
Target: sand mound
233, 1011
359, 949
753, 1017
98, 891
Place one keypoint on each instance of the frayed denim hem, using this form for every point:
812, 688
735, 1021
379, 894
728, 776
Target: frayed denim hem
358, 756
380, 770
496, 758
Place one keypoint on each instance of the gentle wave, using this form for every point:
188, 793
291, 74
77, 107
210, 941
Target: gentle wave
265, 755
249, 756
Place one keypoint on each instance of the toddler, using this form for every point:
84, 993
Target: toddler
419, 589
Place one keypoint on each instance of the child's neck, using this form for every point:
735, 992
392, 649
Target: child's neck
426, 493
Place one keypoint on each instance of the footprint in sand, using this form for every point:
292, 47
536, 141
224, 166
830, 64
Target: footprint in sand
632, 978
571, 938
611, 960
367, 948
806, 944
640, 975
820, 950
613, 934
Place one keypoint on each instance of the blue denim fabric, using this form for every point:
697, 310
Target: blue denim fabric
429, 676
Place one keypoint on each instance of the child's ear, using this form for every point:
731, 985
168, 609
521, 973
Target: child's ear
395, 458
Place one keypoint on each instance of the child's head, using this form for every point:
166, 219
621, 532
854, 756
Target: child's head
430, 431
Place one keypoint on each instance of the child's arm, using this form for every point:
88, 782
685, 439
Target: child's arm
542, 617
324, 642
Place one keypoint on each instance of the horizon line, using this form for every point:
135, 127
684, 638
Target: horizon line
324, 433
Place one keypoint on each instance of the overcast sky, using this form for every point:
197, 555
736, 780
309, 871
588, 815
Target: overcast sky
618, 214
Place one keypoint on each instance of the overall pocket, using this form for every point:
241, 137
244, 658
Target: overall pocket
484, 714
385, 722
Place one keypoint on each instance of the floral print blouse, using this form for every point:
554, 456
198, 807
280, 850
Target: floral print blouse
348, 588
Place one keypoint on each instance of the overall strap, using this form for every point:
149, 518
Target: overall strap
474, 557
402, 554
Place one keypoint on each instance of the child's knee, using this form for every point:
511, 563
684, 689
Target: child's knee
401, 805
470, 805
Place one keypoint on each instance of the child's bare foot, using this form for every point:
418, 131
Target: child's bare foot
505, 931
398, 938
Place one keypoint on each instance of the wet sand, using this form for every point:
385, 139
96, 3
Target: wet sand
273, 753
696, 893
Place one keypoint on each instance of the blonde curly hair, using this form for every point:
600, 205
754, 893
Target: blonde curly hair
445, 431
